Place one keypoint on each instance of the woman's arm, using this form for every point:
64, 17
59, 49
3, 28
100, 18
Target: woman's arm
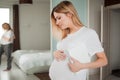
100, 61
8, 39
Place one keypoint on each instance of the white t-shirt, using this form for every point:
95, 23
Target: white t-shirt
80, 45
8, 34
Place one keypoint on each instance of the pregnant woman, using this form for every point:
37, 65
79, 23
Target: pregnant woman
76, 45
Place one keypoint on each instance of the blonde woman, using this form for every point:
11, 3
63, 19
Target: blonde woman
76, 45
7, 44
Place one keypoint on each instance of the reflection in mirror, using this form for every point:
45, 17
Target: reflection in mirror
32, 59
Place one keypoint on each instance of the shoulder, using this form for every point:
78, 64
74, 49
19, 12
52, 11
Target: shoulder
89, 31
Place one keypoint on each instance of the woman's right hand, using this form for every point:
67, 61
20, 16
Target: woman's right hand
59, 55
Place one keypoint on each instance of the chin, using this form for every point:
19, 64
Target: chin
63, 28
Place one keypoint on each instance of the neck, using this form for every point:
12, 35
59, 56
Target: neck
74, 29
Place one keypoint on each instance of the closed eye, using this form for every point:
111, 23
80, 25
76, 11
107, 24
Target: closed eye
58, 18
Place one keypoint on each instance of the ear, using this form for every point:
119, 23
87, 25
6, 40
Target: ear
69, 15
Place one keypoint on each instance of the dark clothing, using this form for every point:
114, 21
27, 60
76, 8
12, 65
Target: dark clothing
7, 49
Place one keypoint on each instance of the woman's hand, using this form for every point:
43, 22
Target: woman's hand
5, 38
59, 55
101, 60
74, 65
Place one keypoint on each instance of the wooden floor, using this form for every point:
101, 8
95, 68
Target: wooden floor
43, 76
112, 77
15, 73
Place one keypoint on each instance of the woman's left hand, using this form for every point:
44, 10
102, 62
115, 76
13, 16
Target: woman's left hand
74, 65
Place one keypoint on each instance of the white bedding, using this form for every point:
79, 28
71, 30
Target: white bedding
33, 61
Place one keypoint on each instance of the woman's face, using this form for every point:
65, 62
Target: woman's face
5, 27
63, 21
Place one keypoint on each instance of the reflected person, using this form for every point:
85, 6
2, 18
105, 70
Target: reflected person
7, 44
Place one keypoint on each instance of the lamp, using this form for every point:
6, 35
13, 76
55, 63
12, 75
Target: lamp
25, 1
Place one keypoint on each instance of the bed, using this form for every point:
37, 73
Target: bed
33, 61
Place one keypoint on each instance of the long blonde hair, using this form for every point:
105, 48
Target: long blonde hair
64, 7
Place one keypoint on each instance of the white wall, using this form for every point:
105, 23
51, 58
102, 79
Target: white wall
95, 14
35, 25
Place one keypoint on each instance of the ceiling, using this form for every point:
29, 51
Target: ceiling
16, 1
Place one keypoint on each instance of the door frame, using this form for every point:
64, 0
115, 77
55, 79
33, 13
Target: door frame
105, 40
106, 37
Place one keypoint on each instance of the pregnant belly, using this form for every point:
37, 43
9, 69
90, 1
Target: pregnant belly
60, 71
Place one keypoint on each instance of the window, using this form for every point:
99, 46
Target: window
4, 17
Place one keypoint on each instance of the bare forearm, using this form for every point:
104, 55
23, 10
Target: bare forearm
6, 39
95, 64
77, 65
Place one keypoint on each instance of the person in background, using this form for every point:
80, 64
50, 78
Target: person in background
7, 44
76, 46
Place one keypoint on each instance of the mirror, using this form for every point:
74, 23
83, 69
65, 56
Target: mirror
34, 30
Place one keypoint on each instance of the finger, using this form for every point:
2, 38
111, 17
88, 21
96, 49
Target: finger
73, 59
60, 57
69, 64
71, 67
61, 51
70, 61
63, 55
